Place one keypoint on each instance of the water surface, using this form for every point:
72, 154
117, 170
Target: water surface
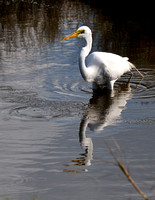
53, 128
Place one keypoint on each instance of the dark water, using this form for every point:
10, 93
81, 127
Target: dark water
53, 130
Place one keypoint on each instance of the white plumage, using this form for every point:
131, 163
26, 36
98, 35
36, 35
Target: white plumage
100, 68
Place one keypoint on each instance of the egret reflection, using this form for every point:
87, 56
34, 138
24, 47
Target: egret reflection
104, 109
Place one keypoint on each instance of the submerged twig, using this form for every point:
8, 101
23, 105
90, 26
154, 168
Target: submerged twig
124, 170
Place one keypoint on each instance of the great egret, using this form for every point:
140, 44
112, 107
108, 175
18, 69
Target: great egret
101, 68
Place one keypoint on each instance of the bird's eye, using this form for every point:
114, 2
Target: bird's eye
82, 31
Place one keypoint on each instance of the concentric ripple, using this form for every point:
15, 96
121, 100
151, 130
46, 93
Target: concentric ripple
70, 89
47, 110
71, 97
29, 106
142, 88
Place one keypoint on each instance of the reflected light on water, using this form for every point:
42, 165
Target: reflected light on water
104, 109
37, 24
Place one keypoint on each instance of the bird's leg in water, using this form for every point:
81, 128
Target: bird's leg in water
110, 84
128, 83
131, 74
130, 78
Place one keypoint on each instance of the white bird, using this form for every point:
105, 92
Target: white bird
100, 68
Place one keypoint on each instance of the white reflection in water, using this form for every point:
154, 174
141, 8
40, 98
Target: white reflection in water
103, 110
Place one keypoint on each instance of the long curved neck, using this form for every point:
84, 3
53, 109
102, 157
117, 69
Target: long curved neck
83, 54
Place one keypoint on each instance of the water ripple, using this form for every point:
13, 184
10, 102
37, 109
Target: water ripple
73, 95
27, 105
51, 110
142, 88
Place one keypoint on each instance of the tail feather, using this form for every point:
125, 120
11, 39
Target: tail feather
134, 67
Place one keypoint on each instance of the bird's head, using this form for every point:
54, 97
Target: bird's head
81, 32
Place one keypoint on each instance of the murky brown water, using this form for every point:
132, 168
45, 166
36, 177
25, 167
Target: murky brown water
52, 128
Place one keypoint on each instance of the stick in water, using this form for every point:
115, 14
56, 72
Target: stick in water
124, 170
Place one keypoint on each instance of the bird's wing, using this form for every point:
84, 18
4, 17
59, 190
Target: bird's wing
111, 65
125, 58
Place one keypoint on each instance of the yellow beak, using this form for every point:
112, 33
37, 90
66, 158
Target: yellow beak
75, 34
